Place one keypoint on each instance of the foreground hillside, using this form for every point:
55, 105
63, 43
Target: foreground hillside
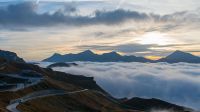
29, 88
94, 99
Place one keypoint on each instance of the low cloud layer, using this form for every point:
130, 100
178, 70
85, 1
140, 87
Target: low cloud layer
176, 83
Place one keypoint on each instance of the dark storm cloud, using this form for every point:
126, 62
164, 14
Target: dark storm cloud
24, 14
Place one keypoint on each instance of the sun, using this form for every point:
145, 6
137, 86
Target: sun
155, 38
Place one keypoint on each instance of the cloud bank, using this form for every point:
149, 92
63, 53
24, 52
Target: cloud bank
25, 14
175, 83
124, 48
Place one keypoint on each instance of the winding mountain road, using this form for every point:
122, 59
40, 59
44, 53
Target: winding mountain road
31, 81
3, 65
34, 80
18, 76
12, 107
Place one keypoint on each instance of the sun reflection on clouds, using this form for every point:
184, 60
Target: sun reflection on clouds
155, 38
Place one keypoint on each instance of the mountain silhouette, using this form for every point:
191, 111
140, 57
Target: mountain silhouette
147, 105
88, 55
10, 56
180, 56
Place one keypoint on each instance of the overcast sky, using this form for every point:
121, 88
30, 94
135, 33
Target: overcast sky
151, 28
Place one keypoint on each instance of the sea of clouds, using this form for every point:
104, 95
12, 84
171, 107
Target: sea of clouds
176, 83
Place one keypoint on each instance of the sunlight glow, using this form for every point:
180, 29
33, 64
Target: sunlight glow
155, 38
153, 57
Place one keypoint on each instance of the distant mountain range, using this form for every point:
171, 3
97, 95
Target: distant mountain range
175, 57
179, 56
90, 56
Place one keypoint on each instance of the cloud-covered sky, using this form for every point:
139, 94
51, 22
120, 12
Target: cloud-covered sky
35, 29
176, 83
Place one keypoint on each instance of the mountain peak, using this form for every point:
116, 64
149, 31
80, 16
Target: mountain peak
87, 52
56, 54
179, 54
113, 53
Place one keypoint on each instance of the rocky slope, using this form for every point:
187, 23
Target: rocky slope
93, 100
153, 104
